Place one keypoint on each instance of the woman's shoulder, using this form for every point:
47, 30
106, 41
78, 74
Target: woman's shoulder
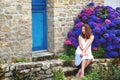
79, 36
91, 36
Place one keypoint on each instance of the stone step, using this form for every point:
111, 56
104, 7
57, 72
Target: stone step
69, 71
42, 56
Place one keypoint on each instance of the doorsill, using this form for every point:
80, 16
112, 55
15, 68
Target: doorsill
40, 51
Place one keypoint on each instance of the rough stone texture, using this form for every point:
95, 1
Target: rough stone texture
15, 30
61, 14
38, 69
43, 70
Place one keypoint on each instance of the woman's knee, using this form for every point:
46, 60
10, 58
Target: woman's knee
89, 61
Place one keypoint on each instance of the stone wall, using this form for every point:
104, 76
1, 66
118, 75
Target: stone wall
44, 70
50, 25
61, 14
15, 29
38, 70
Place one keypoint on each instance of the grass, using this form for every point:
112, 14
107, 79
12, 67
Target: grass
66, 57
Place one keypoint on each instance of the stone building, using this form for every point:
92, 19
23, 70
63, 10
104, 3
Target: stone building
28, 26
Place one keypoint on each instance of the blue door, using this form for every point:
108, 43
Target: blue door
39, 25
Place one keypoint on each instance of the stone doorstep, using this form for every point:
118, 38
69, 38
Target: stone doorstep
42, 56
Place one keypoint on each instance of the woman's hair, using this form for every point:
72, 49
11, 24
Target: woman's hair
87, 31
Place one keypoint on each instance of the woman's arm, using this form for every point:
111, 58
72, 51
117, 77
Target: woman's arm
89, 43
80, 43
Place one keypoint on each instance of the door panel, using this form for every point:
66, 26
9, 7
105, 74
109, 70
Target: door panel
39, 26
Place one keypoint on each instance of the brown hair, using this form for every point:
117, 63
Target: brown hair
87, 31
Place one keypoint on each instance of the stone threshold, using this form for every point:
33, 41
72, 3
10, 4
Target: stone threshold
42, 55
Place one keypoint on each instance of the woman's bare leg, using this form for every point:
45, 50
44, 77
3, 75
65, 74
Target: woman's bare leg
88, 61
83, 67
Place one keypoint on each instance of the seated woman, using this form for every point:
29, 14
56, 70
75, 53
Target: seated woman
83, 54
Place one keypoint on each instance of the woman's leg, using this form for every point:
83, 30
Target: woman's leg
88, 61
83, 66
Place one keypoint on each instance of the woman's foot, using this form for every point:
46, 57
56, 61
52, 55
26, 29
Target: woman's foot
82, 75
78, 73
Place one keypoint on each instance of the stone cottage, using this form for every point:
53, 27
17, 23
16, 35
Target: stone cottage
28, 26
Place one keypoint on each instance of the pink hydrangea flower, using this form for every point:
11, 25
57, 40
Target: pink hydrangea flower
88, 10
79, 15
68, 42
95, 49
107, 21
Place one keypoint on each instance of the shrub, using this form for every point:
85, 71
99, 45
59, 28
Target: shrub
58, 75
101, 72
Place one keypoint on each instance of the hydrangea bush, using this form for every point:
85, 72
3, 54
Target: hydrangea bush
105, 24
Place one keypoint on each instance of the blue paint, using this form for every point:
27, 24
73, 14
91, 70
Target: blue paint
39, 25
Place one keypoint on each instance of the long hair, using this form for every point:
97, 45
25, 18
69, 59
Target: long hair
88, 31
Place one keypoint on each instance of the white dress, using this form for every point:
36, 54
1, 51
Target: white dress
78, 51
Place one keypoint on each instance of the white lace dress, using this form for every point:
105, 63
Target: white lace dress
78, 51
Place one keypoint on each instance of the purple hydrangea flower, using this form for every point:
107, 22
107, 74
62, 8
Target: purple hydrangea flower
118, 31
91, 24
106, 35
97, 30
118, 22
103, 29
109, 48
70, 33
102, 40
110, 10
77, 20
113, 54
118, 9
91, 4
84, 18
79, 24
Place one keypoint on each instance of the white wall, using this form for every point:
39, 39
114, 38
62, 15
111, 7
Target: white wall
112, 3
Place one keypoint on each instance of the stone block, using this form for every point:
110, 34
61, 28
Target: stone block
36, 69
1, 16
60, 1
3, 43
26, 6
5, 29
66, 2
25, 71
49, 71
8, 74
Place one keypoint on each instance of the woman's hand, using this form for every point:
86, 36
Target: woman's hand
86, 54
83, 54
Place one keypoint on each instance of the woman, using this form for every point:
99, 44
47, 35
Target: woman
83, 54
